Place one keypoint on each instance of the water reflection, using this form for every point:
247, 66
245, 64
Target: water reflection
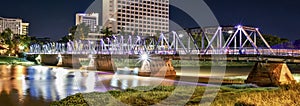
41, 84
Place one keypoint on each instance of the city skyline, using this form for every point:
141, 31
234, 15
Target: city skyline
46, 20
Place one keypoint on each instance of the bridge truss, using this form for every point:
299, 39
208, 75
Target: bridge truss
210, 40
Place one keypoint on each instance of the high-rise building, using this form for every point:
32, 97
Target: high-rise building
16, 25
145, 17
91, 20
25, 28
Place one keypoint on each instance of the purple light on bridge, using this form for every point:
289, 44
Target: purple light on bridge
238, 26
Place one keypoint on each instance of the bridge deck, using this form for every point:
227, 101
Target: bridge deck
220, 57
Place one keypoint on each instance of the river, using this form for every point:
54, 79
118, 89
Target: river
39, 85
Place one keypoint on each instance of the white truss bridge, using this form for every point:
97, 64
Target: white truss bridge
211, 40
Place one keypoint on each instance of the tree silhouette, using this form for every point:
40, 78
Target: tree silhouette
106, 31
80, 31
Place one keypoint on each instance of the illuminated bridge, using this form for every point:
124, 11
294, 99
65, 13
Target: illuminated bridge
228, 41
239, 43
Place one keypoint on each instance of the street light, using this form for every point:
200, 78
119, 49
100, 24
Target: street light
230, 32
181, 35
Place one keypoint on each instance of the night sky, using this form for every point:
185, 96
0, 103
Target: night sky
53, 18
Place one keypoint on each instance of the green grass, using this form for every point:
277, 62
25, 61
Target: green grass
231, 95
15, 61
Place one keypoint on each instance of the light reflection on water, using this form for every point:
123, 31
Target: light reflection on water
41, 84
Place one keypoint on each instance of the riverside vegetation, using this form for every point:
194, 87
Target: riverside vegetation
4, 60
230, 95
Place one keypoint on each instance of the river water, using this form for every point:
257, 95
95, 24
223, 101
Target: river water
39, 85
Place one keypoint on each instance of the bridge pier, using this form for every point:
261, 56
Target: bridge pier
270, 74
49, 59
60, 60
104, 63
100, 62
69, 61
157, 67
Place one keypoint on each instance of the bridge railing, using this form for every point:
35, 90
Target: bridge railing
231, 51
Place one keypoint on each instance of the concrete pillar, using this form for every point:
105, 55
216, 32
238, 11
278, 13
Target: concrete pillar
145, 69
49, 59
105, 63
159, 68
270, 74
70, 61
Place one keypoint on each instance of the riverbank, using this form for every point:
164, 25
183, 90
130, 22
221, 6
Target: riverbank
228, 95
6, 60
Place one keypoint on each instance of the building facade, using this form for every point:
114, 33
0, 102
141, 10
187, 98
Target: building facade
142, 17
25, 28
16, 25
91, 20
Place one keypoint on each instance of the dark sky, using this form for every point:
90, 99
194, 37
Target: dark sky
53, 18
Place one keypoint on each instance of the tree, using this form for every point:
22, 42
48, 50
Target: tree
271, 39
15, 43
7, 39
65, 39
79, 32
72, 32
23, 42
106, 31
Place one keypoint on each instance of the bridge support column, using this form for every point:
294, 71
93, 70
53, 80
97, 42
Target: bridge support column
105, 63
270, 74
49, 59
158, 67
69, 61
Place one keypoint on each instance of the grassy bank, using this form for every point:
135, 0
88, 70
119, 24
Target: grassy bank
4, 60
228, 96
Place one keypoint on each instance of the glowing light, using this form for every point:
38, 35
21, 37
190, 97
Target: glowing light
21, 47
181, 35
239, 26
144, 57
136, 71
90, 56
59, 57
230, 32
